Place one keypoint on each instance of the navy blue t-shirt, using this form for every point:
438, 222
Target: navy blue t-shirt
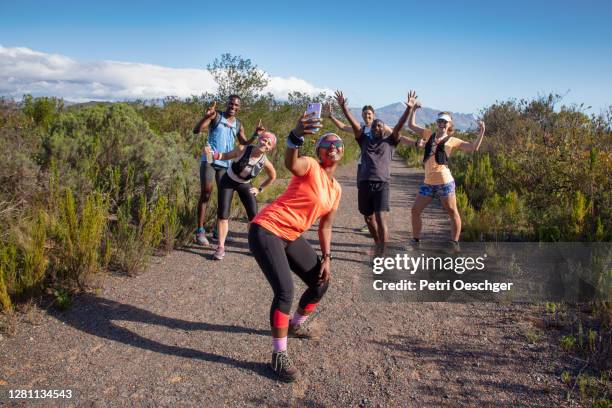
376, 156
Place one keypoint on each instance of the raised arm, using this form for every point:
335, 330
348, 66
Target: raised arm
209, 116
405, 140
258, 131
325, 236
327, 113
422, 132
402, 120
475, 145
305, 126
343, 103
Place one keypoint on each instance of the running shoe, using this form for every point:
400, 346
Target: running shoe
364, 229
219, 254
414, 244
201, 237
455, 247
283, 367
304, 331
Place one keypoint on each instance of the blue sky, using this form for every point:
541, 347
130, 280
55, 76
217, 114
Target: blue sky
460, 56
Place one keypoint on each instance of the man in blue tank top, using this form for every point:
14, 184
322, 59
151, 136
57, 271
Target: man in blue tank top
223, 129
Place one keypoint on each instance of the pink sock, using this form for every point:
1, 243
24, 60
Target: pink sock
298, 319
279, 343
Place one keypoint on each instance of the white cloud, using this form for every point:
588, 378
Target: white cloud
26, 71
279, 87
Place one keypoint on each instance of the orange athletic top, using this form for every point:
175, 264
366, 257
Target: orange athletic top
306, 199
435, 173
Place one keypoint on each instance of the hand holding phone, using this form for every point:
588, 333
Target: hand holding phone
313, 111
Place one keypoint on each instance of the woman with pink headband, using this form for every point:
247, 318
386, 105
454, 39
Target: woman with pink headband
249, 161
279, 247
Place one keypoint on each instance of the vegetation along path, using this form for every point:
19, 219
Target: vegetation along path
194, 332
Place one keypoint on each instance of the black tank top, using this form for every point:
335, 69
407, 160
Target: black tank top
243, 172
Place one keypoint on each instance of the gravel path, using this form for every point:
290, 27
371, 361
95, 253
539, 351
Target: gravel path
193, 332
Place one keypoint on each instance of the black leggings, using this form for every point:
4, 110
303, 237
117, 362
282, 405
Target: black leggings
226, 188
277, 258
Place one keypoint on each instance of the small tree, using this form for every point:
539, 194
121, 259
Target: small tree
237, 75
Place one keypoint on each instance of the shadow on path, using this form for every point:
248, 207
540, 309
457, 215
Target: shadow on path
96, 316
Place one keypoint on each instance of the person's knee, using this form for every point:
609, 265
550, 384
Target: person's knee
321, 289
285, 298
452, 212
370, 219
205, 194
416, 211
251, 213
381, 216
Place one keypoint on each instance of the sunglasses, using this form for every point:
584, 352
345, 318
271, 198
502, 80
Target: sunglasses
326, 144
442, 121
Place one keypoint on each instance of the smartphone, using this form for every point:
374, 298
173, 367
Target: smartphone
316, 109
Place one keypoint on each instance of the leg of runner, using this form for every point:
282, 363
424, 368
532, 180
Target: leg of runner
365, 228
306, 264
219, 173
366, 208
370, 221
269, 253
206, 185
380, 200
450, 205
225, 190
248, 200
419, 205
383, 230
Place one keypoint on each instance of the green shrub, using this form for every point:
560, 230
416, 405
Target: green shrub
79, 235
568, 342
135, 241
63, 300
23, 261
413, 156
5, 300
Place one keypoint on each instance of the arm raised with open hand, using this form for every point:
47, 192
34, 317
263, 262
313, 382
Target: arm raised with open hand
422, 132
327, 113
402, 120
343, 103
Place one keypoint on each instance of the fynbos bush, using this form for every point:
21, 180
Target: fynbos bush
79, 235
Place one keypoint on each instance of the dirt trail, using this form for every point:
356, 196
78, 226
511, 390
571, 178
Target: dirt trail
193, 332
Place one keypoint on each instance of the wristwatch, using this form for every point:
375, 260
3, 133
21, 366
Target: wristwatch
329, 255
294, 141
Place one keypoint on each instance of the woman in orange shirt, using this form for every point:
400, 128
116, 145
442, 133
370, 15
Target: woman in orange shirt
439, 181
275, 238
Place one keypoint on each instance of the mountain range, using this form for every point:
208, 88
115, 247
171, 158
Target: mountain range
390, 114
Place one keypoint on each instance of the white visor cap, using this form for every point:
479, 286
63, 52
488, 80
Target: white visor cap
445, 116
